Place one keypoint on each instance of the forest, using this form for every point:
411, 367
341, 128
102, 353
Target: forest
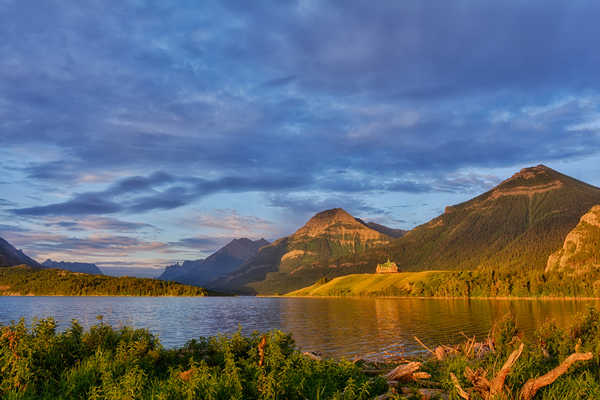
23, 280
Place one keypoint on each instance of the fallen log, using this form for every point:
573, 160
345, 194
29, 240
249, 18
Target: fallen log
533, 385
497, 384
403, 372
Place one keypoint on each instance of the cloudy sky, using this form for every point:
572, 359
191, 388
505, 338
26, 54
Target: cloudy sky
138, 133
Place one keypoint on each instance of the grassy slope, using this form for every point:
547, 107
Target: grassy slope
372, 284
24, 280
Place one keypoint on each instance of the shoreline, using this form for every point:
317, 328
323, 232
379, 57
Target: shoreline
442, 297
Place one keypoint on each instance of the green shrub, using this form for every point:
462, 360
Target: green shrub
127, 363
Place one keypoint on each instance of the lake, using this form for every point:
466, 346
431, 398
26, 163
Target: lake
336, 327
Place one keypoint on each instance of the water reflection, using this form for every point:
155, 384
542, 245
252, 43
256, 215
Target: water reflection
334, 326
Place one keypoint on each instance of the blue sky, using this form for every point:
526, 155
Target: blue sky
137, 133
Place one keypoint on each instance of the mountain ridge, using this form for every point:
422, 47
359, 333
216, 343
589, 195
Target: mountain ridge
10, 256
86, 268
225, 260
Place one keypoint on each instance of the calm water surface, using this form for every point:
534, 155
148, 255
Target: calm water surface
337, 327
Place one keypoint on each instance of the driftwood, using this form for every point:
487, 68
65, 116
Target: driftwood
533, 385
497, 384
471, 348
420, 375
403, 372
461, 392
425, 347
479, 381
486, 388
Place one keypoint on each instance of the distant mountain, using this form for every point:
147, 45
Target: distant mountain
581, 250
224, 261
517, 224
297, 260
10, 256
86, 268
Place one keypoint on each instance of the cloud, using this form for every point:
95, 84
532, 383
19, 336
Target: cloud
159, 191
82, 204
82, 248
6, 203
99, 223
230, 222
304, 205
12, 228
410, 93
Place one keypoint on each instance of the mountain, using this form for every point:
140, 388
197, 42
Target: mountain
395, 233
85, 268
581, 250
225, 260
10, 256
311, 252
517, 224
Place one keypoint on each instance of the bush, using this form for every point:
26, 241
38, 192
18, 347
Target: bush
127, 363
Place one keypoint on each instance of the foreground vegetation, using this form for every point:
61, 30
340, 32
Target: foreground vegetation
108, 363
125, 363
482, 282
23, 280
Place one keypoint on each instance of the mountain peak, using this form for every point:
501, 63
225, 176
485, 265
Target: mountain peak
530, 181
532, 172
323, 220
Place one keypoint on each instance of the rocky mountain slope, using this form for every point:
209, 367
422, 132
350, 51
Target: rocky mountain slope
581, 250
85, 268
223, 261
10, 256
297, 260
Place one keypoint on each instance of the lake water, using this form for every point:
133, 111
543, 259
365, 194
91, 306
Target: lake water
336, 327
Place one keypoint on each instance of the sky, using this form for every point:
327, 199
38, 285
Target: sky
134, 134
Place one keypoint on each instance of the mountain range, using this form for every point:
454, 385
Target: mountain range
224, 261
538, 219
517, 224
312, 251
85, 268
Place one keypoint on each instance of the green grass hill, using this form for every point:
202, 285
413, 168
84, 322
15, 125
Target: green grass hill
400, 284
